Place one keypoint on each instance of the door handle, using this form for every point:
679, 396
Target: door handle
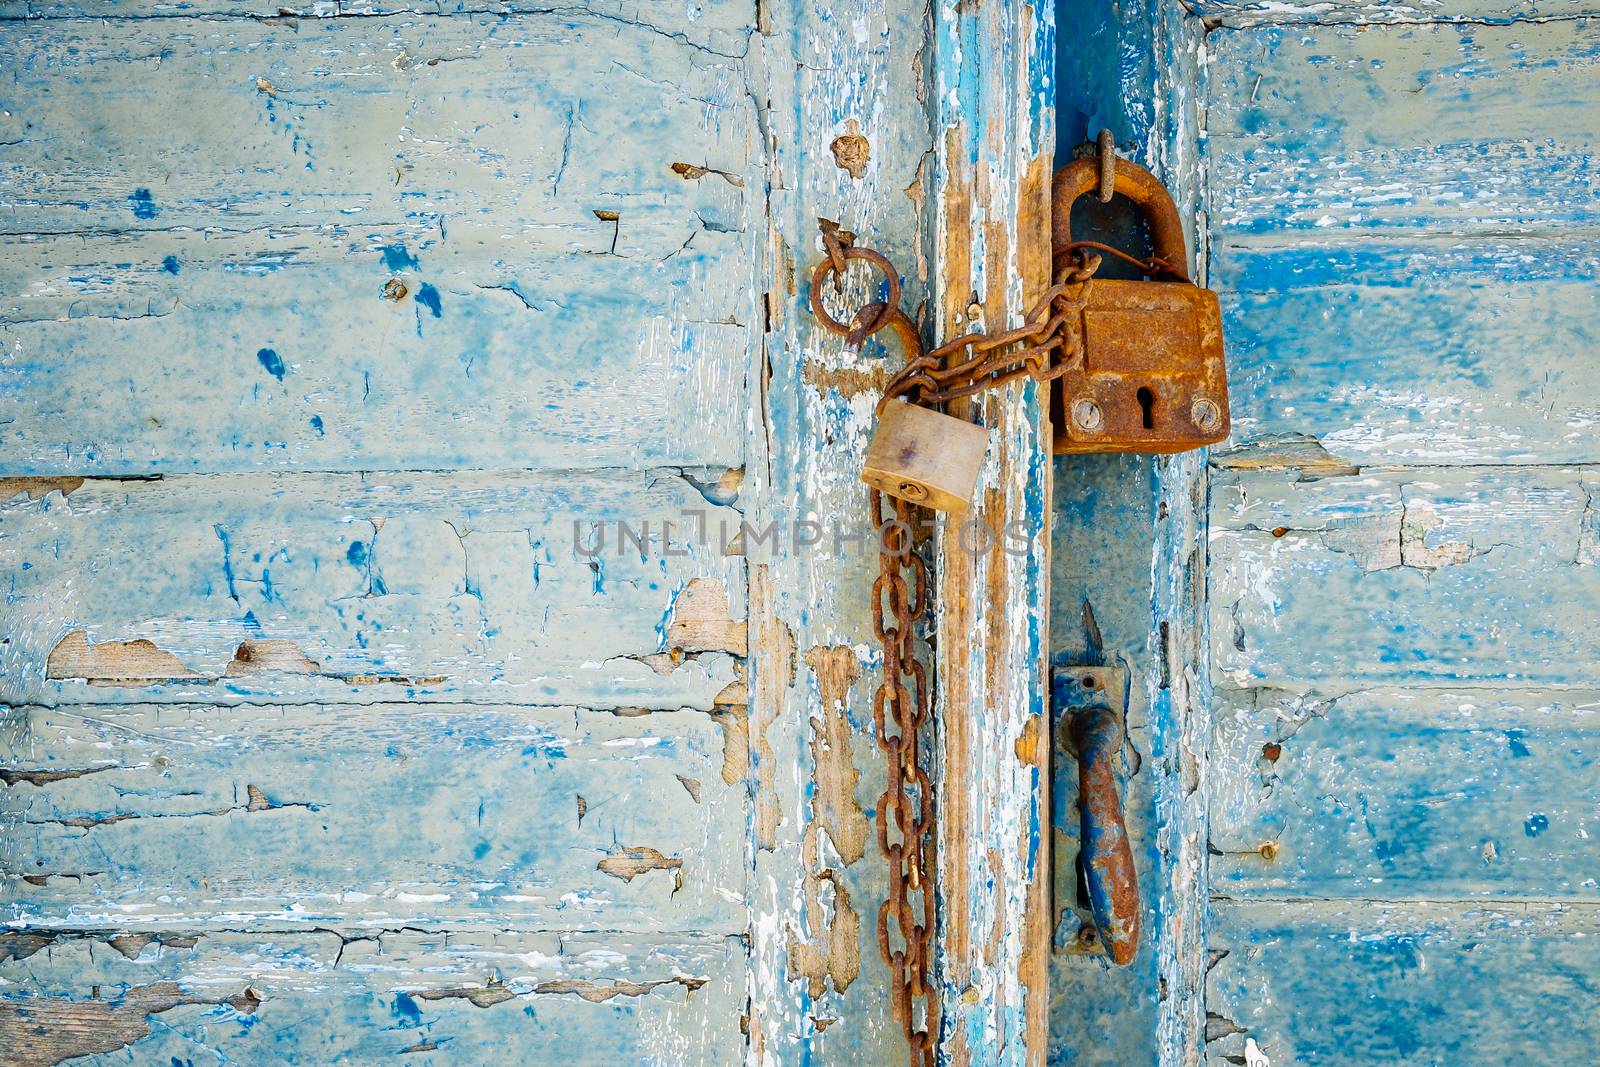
1105, 858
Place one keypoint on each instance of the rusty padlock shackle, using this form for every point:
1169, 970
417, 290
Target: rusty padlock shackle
1132, 181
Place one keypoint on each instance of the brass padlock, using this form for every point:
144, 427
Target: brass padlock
920, 455
1151, 376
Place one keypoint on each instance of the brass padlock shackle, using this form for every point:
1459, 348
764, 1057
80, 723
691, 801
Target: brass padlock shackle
1132, 181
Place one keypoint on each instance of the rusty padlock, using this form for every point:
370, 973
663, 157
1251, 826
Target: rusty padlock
1151, 376
926, 457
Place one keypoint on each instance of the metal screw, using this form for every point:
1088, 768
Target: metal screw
912, 491
1087, 415
1206, 415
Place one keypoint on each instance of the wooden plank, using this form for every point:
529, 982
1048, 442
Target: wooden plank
1421, 374
1254, 12
1429, 261
550, 282
435, 998
723, 27
1372, 131
156, 817
819, 988
1120, 520
993, 84
1408, 793
1436, 576
1411, 985
331, 347
240, 124
475, 587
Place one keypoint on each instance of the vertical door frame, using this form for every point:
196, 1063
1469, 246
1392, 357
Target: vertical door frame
994, 135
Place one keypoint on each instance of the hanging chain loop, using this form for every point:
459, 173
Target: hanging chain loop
1043, 348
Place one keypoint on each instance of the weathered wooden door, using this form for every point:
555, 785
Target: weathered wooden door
1361, 750
399, 401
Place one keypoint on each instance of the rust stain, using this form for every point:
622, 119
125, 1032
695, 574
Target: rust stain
113, 662
851, 151
254, 657
834, 952
629, 863
701, 623
833, 801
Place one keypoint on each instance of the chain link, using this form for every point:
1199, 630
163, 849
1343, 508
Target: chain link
1043, 348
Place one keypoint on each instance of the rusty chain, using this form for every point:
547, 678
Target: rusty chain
1043, 348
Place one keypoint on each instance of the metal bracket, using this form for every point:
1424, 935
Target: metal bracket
1090, 708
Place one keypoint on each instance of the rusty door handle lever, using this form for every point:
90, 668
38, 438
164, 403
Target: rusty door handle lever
1105, 857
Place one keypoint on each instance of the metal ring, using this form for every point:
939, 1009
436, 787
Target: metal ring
825, 270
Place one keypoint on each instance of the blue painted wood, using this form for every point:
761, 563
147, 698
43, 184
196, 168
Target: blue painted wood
1124, 530
1481, 575
375, 817
295, 246
1249, 12
330, 347
431, 998
1401, 577
474, 587
723, 27
1415, 985
1357, 131
1432, 793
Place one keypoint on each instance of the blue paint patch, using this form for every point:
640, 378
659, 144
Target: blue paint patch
480, 850
143, 204
1519, 748
405, 1011
170, 264
271, 362
227, 560
316, 424
357, 554
1536, 824
398, 257
428, 297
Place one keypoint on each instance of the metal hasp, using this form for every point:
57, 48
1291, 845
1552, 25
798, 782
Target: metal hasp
1093, 730
1150, 375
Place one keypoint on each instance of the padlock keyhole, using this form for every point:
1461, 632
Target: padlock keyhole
1147, 407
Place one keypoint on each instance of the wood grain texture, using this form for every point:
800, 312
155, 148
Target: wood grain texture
1455, 373
1383, 132
1322, 12
1482, 575
842, 69
434, 998
241, 124
1405, 984
1124, 547
1368, 215
1406, 793
332, 347
152, 817
992, 778
722, 27
1402, 549
289, 251
432, 587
